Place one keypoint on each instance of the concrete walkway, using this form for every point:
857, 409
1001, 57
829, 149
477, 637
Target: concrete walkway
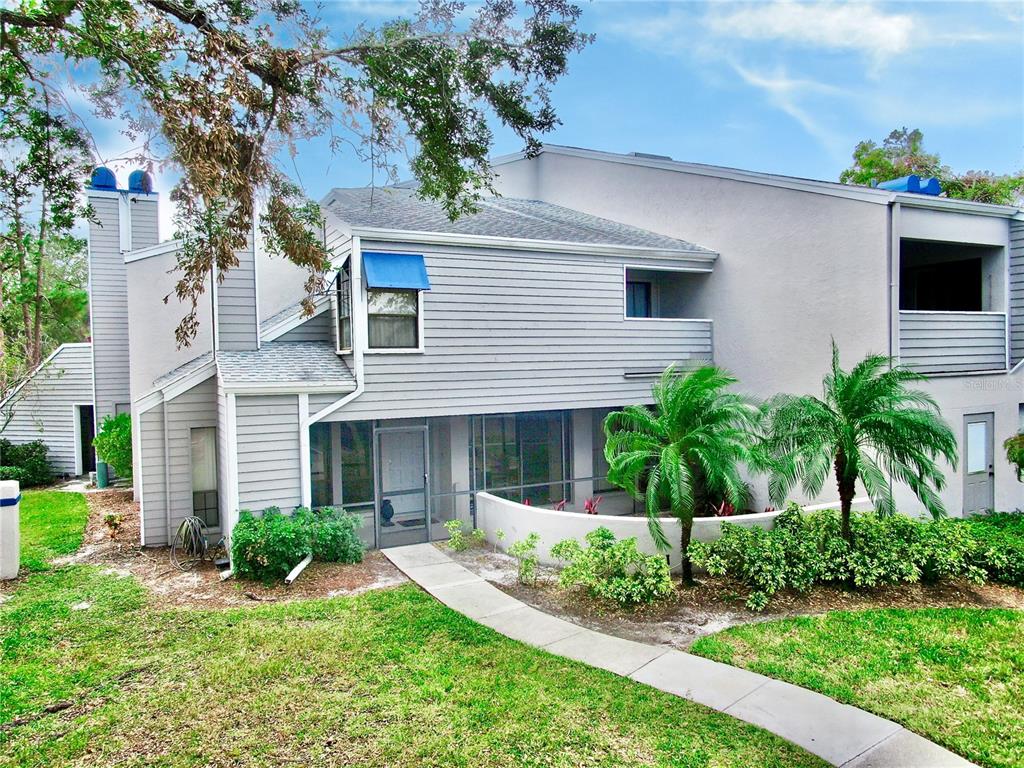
838, 733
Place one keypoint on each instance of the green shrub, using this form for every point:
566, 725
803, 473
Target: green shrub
614, 570
525, 551
334, 533
1000, 546
30, 458
14, 473
456, 538
269, 546
767, 561
114, 443
804, 550
1014, 447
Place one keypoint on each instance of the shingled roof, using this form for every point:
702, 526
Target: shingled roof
284, 363
400, 208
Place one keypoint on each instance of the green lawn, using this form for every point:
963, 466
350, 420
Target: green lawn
386, 678
52, 523
955, 676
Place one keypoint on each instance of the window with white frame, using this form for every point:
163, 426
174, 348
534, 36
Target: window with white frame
204, 475
393, 318
344, 302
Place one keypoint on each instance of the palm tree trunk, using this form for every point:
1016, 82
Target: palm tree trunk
846, 491
686, 524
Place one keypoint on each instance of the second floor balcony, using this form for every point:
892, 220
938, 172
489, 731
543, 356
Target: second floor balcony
953, 342
952, 315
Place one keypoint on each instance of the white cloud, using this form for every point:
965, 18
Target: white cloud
788, 95
857, 27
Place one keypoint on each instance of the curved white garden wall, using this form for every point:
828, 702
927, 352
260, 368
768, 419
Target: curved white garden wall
518, 521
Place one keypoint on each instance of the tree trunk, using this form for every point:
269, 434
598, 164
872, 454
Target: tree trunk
700, 503
26, 320
846, 491
37, 299
684, 545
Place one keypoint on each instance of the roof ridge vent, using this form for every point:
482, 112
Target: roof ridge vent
649, 156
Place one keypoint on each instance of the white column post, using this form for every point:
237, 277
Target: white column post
10, 535
582, 454
336, 463
459, 436
305, 491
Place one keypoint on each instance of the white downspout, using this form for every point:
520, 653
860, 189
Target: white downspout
359, 341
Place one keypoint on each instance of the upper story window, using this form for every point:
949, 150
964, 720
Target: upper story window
344, 297
393, 318
394, 300
662, 293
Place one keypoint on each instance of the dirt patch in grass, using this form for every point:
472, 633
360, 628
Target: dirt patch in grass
714, 604
202, 587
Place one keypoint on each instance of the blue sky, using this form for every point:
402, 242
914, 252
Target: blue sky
774, 86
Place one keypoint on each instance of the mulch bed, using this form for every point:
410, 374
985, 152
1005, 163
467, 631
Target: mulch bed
202, 587
714, 604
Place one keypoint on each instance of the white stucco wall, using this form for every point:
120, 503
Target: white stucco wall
279, 283
795, 270
518, 521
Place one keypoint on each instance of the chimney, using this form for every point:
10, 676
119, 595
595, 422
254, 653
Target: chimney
123, 220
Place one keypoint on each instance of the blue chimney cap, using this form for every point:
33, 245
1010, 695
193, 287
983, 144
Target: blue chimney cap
140, 181
103, 178
913, 183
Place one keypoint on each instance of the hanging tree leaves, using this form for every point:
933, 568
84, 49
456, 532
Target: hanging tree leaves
232, 84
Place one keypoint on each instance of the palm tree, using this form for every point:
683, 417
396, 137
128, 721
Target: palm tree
868, 426
687, 448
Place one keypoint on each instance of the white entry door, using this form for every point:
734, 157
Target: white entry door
979, 467
402, 490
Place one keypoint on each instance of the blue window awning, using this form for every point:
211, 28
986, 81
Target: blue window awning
395, 270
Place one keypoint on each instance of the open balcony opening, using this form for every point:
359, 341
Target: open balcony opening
950, 277
657, 293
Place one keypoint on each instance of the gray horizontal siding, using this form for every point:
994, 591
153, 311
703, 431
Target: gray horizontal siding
168, 464
145, 221
195, 408
150, 425
44, 409
108, 305
268, 451
513, 331
108, 292
1016, 292
237, 324
953, 342
315, 329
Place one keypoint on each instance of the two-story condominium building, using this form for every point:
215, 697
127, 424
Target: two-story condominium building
450, 357
444, 358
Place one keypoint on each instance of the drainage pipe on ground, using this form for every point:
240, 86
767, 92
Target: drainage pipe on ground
298, 569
